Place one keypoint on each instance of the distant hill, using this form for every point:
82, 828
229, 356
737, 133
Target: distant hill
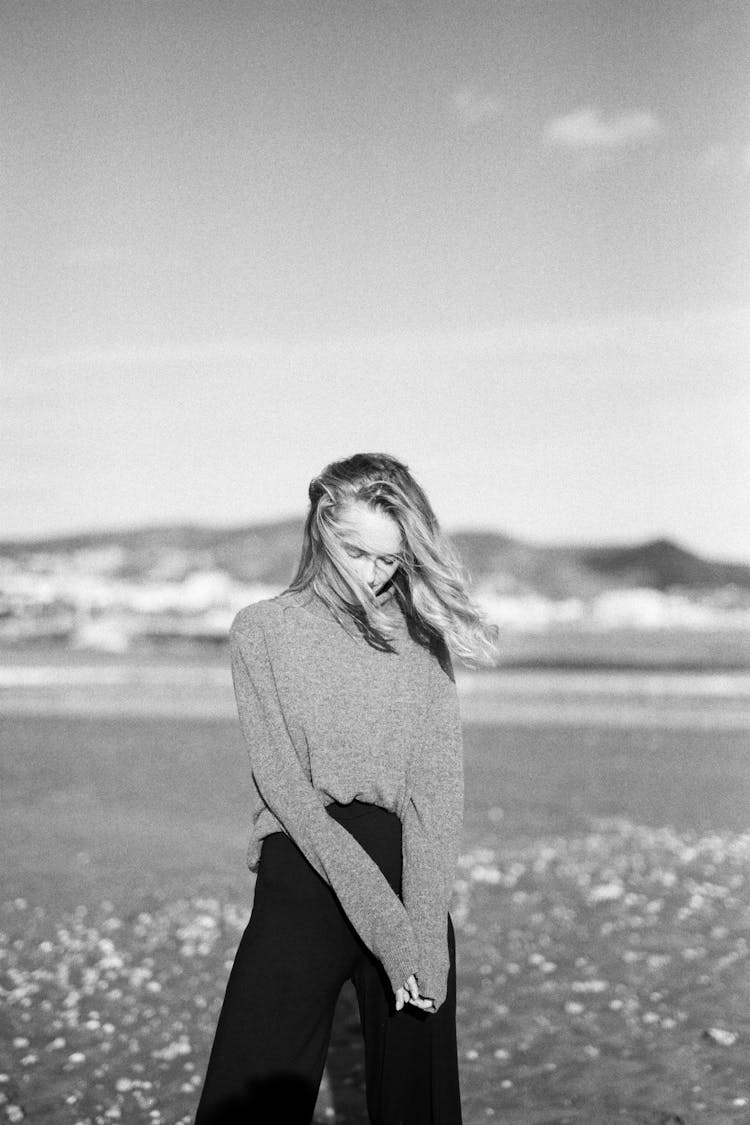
584, 571
267, 553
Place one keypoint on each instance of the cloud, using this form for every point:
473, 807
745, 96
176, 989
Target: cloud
721, 333
471, 106
586, 129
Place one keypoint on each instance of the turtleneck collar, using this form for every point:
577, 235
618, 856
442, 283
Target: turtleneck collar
386, 600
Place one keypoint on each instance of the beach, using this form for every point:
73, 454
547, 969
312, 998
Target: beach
600, 905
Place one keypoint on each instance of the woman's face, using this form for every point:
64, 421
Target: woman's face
371, 541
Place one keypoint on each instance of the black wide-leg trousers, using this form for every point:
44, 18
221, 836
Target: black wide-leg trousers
298, 949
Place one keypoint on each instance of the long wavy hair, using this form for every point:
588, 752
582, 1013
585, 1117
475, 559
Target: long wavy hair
430, 582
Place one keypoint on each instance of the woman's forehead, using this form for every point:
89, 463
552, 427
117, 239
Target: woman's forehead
369, 529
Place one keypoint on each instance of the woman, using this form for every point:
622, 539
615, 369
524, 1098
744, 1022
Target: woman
347, 702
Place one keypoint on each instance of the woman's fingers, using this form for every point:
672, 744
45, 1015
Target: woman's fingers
409, 994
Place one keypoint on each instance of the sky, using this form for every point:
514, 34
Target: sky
505, 242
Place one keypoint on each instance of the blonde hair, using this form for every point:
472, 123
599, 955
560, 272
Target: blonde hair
430, 582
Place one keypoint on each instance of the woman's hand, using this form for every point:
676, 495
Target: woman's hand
410, 994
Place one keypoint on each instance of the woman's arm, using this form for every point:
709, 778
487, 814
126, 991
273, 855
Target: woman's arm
432, 831
374, 909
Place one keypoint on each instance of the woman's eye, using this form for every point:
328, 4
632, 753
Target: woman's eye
355, 553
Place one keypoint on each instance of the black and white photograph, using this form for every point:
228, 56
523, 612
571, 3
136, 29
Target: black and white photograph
375, 562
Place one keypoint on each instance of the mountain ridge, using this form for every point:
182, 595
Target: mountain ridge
268, 551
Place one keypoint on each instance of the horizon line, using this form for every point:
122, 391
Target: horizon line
39, 540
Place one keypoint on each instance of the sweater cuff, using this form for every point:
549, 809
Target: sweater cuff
434, 986
400, 965
434, 966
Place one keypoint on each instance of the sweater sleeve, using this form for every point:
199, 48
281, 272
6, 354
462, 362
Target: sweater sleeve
373, 908
432, 832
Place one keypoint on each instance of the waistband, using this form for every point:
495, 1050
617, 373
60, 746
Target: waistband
355, 809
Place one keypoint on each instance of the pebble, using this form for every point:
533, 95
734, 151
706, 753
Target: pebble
606, 892
720, 1036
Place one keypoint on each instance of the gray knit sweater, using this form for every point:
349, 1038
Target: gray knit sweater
328, 717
